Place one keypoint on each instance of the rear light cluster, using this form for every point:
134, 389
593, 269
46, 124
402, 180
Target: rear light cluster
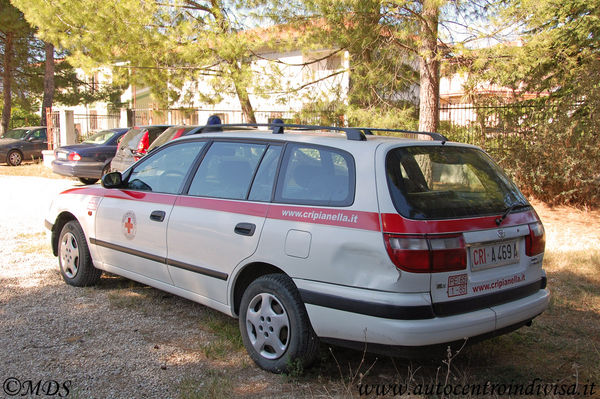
73, 156
427, 253
143, 145
535, 242
178, 133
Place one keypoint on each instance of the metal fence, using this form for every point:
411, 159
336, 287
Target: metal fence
90, 123
498, 129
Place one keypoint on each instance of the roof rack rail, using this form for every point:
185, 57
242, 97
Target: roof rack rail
433, 135
352, 133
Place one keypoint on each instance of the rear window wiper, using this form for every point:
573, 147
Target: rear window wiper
508, 210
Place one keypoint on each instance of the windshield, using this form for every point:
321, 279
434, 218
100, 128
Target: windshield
100, 137
435, 182
18, 134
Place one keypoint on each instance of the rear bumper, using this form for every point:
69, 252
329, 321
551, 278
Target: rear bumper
332, 323
90, 170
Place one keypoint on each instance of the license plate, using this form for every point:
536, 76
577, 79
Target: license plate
496, 254
61, 155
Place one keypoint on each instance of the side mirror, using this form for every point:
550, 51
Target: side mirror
112, 180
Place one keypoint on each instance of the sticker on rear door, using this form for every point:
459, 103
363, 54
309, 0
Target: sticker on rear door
128, 225
457, 285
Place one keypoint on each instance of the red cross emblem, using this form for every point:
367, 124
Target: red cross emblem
129, 225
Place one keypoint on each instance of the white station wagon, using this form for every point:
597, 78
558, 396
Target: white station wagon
401, 245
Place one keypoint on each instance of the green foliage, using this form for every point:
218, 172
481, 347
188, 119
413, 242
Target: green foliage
23, 117
553, 79
552, 151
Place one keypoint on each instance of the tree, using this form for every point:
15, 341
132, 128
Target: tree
163, 45
552, 71
48, 80
395, 48
14, 36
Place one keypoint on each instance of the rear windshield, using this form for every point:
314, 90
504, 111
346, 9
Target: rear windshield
437, 182
132, 138
100, 137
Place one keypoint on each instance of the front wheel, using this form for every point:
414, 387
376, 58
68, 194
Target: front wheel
274, 324
14, 158
76, 266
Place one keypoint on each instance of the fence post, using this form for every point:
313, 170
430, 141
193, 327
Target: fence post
67, 128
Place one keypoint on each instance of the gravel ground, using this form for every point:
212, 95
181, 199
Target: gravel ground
118, 340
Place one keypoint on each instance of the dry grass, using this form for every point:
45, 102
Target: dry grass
34, 168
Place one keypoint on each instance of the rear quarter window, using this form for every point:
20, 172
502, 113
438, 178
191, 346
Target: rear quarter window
314, 175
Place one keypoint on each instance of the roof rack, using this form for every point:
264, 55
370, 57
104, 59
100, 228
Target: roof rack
352, 133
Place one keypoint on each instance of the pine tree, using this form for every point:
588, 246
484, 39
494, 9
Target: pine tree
15, 34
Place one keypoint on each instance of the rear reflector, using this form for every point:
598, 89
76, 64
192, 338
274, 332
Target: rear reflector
535, 242
427, 253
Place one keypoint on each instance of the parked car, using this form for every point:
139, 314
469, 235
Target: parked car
172, 133
134, 145
90, 160
22, 143
183, 130
389, 244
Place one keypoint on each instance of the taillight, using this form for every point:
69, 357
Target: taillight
427, 254
535, 242
73, 156
143, 144
178, 134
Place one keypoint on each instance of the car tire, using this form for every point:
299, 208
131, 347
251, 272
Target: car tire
105, 171
14, 158
87, 181
76, 266
275, 327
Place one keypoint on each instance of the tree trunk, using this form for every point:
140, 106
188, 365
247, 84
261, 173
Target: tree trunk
244, 98
6, 82
429, 68
48, 81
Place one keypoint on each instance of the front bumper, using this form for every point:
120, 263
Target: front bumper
417, 329
89, 170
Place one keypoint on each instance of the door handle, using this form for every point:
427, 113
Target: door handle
158, 216
245, 229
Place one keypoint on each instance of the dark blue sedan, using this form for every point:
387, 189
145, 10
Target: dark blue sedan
90, 160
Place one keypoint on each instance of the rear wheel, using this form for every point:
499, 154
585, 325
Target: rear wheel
274, 324
76, 266
87, 181
14, 158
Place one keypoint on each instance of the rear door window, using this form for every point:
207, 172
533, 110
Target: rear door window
227, 170
314, 175
437, 182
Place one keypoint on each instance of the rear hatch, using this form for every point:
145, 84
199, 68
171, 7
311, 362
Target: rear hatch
128, 145
170, 134
466, 224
